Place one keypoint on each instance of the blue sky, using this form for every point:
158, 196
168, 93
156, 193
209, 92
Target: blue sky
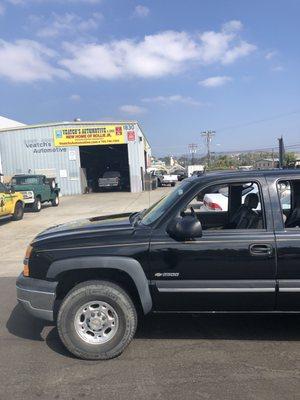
178, 67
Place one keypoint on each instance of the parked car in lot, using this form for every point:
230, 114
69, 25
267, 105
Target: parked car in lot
11, 203
110, 180
96, 277
36, 190
165, 179
181, 175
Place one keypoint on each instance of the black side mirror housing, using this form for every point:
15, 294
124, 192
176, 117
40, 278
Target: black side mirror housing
185, 227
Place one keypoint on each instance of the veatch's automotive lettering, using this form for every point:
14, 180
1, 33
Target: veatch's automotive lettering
43, 146
91, 135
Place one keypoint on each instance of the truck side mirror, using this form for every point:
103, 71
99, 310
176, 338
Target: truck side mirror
185, 227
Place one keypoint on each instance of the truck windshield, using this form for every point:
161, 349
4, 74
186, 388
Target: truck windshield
158, 209
111, 174
24, 180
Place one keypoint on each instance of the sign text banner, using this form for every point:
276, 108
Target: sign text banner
89, 135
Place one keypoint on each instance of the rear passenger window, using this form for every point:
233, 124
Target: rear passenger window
230, 206
289, 196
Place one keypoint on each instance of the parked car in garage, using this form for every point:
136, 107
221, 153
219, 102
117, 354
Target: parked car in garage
110, 180
11, 203
36, 190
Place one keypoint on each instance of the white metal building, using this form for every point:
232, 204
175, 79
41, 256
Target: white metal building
76, 153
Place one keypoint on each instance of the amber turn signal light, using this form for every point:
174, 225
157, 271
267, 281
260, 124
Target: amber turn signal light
26, 261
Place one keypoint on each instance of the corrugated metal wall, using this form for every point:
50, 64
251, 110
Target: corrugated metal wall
32, 149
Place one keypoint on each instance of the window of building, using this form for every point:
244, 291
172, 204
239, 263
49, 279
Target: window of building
230, 206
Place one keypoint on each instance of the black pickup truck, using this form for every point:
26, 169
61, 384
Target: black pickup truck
95, 276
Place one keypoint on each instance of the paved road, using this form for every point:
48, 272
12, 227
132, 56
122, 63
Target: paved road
172, 356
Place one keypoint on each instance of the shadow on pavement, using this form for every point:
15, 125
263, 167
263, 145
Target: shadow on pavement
174, 326
22, 325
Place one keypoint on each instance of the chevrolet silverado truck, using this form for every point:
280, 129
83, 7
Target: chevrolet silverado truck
96, 277
36, 190
11, 203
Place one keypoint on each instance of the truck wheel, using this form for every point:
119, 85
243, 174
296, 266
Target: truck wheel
37, 205
19, 211
55, 201
97, 320
172, 184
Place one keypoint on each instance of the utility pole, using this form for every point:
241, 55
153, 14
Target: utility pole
281, 152
208, 136
192, 149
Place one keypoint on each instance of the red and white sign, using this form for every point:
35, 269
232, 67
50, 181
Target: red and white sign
131, 136
118, 130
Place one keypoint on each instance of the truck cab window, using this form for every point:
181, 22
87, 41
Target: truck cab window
289, 196
230, 206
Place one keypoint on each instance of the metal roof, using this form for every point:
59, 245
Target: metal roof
245, 174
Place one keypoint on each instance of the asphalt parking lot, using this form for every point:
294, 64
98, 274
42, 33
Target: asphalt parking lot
171, 357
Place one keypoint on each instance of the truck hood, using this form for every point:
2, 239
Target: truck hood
103, 224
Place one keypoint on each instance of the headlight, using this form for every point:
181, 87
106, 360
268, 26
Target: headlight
28, 195
26, 261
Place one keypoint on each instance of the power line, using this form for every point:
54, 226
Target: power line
192, 149
208, 136
258, 121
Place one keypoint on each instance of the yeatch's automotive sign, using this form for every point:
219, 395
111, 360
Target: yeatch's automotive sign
89, 135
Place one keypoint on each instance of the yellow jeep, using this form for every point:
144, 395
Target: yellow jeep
11, 203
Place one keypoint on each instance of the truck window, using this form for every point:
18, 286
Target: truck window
289, 196
230, 206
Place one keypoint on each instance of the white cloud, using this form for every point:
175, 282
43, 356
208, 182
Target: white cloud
232, 26
270, 54
132, 109
176, 98
141, 11
2, 9
65, 24
215, 81
241, 50
75, 97
165, 53
27, 61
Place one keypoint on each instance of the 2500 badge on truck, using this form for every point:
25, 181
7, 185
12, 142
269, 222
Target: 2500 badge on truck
93, 277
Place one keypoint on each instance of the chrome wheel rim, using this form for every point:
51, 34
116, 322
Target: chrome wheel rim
96, 322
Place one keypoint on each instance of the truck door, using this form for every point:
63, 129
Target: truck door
231, 267
285, 196
46, 190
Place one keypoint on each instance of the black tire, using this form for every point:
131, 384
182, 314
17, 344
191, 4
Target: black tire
19, 211
173, 184
115, 297
37, 205
55, 201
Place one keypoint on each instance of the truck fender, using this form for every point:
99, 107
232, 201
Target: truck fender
128, 265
